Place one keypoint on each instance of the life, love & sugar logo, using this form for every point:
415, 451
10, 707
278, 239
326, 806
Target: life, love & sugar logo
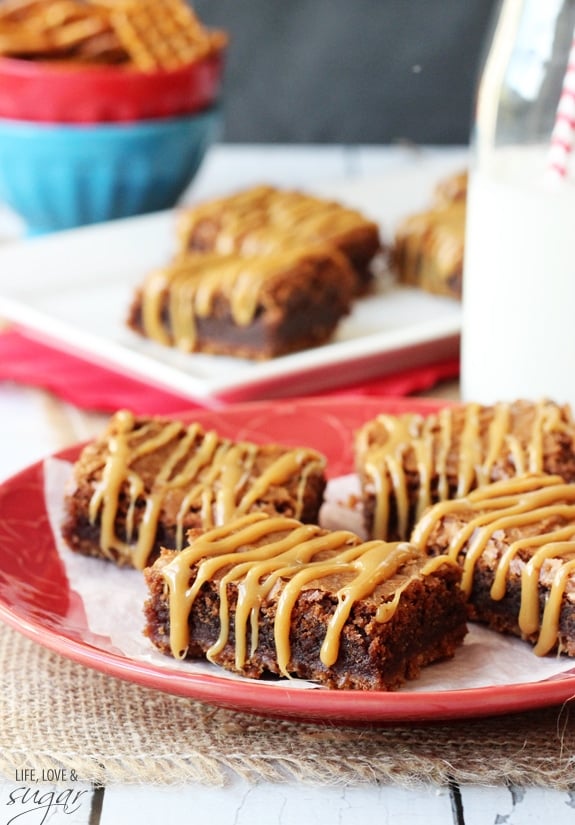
33, 801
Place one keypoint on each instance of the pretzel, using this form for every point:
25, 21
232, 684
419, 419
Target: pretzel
161, 35
47, 27
148, 34
103, 47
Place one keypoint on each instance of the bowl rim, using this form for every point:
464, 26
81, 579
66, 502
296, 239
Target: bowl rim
17, 67
106, 128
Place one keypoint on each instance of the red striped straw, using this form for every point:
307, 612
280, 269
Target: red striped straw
564, 129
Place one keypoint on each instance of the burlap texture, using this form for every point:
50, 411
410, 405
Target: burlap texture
55, 713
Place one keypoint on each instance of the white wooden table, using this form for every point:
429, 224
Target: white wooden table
39, 424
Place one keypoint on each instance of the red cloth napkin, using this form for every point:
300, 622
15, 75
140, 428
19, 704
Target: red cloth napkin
89, 386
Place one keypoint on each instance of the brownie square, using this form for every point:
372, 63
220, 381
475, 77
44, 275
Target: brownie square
271, 596
145, 482
257, 306
408, 462
262, 219
515, 542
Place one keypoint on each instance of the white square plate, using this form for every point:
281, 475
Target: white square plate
75, 287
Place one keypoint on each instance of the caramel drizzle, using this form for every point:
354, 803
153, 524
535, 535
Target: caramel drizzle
292, 556
264, 218
432, 443
504, 506
192, 285
213, 472
441, 232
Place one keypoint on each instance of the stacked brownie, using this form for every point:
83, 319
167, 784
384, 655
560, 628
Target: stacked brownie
470, 513
258, 274
492, 488
238, 569
265, 219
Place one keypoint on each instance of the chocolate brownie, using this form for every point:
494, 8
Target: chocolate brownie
408, 462
257, 306
263, 219
146, 481
515, 542
429, 245
268, 595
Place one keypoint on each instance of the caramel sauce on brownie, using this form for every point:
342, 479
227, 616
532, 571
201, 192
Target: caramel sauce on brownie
192, 286
191, 468
430, 244
264, 218
260, 553
523, 526
450, 453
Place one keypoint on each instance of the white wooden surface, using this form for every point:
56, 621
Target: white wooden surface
242, 804
38, 424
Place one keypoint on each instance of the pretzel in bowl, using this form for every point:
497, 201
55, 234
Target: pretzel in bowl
145, 34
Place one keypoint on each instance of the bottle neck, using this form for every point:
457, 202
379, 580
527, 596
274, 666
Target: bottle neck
522, 76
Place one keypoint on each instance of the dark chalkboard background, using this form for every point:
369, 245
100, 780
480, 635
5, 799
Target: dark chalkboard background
350, 71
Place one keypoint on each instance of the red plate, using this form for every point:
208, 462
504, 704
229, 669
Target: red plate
36, 600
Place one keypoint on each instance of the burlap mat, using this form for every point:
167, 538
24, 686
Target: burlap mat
55, 713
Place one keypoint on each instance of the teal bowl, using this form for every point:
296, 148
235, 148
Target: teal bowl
59, 177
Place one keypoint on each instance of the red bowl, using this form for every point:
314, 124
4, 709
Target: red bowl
68, 93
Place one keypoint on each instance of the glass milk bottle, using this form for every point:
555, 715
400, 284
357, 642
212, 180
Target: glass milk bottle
518, 335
